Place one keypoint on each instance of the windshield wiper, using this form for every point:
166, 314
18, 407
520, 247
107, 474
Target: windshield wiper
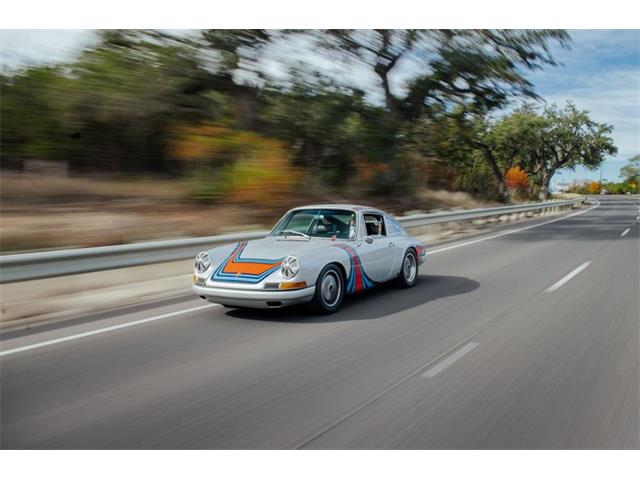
285, 232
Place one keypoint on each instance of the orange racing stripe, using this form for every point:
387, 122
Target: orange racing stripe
236, 267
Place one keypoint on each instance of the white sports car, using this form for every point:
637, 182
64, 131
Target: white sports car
316, 254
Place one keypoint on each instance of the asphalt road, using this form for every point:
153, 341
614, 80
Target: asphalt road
527, 339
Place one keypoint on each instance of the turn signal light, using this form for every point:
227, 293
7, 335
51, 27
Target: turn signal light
292, 285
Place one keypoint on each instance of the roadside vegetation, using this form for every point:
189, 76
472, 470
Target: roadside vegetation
630, 184
227, 120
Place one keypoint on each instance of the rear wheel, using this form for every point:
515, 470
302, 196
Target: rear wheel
329, 290
408, 270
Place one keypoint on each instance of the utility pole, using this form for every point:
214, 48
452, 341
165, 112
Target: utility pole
600, 183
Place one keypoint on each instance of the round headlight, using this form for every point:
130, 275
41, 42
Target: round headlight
290, 267
203, 262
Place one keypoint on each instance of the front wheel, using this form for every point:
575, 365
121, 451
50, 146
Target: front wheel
408, 270
329, 290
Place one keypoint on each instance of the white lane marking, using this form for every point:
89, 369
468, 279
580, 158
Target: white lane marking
568, 277
625, 232
508, 232
436, 369
100, 330
384, 392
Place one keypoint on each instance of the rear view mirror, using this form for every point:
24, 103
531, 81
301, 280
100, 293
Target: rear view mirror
368, 240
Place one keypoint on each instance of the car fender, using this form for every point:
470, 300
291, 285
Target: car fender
312, 263
419, 247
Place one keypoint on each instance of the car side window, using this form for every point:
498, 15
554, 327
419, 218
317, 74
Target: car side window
374, 224
393, 226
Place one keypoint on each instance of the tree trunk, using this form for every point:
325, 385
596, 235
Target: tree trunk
391, 102
547, 175
495, 168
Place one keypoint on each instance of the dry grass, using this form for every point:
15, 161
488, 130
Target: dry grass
47, 212
443, 199
43, 213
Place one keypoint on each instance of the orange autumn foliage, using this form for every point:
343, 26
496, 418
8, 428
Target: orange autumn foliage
593, 187
237, 166
516, 179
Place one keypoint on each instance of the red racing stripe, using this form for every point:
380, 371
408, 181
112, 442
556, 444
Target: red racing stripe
358, 273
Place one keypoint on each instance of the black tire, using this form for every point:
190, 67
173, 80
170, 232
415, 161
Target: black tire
333, 281
408, 270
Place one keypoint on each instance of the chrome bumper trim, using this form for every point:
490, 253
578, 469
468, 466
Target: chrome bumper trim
254, 298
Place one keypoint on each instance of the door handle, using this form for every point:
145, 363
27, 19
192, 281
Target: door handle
391, 244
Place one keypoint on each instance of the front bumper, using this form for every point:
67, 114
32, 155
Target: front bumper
255, 298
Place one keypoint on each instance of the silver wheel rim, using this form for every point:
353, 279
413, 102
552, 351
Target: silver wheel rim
330, 289
409, 268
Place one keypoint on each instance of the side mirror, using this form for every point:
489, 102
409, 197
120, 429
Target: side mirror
368, 240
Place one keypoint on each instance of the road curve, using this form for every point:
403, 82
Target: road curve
525, 338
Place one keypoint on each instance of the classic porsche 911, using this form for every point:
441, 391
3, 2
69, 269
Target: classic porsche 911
316, 254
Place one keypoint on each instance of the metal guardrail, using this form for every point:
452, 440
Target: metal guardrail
31, 266
460, 215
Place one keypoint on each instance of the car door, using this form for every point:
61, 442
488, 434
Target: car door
375, 249
397, 236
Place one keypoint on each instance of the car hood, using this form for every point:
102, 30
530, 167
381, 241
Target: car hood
277, 248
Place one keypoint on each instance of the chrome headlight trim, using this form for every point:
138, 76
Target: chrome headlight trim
202, 262
290, 267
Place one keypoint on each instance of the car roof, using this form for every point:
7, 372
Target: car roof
342, 206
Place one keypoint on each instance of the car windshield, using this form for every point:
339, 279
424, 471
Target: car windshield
315, 222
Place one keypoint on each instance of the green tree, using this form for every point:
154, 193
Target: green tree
540, 143
514, 140
110, 109
326, 127
478, 70
631, 171
499, 143
571, 138
125, 94
236, 49
32, 105
483, 67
